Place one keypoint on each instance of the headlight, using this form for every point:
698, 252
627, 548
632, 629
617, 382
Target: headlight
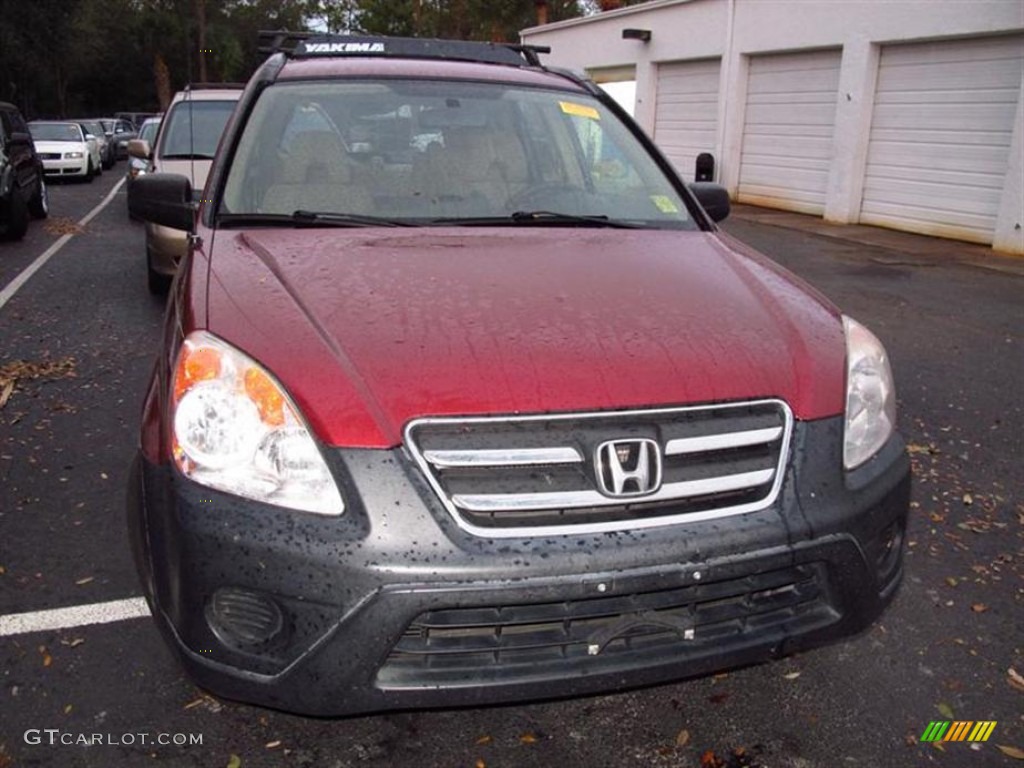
235, 429
73, 155
870, 395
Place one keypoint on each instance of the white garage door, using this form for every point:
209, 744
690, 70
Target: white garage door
787, 131
940, 136
686, 112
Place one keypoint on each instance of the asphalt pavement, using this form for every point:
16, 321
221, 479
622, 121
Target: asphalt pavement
79, 337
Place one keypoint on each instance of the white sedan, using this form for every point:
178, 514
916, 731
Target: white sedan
65, 151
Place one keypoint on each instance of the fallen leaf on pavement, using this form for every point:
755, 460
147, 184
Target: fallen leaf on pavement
792, 675
1016, 754
62, 225
8, 388
1015, 679
83, 582
683, 738
484, 740
946, 711
527, 738
234, 762
272, 744
979, 607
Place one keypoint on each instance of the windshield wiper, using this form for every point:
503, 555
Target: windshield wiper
540, 218
307, 219
346, 219
187, 156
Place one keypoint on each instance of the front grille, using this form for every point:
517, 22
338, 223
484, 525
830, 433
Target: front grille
541, 475
49, 155
520, 642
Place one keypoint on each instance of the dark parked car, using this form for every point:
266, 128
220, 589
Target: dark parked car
465, 398
22, 183
139, 166
119, 132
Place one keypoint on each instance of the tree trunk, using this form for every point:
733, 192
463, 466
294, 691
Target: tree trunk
201, 23
162, 77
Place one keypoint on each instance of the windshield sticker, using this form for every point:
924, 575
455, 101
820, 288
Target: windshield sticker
579, 110
665, 204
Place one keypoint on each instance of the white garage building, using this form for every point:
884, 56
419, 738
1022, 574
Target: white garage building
899, 113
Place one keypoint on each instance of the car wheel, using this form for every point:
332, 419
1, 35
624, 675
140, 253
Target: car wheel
90, 172
159, 284
39, 205
17, 218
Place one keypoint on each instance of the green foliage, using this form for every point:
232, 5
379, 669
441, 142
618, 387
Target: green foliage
64, 58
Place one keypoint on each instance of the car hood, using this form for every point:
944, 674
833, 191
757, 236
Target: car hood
195, 170
61, 146
369, 328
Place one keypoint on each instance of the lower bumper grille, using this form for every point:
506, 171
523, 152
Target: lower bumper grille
521, 642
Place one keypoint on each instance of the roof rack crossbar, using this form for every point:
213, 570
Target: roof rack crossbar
313, 44
281, 40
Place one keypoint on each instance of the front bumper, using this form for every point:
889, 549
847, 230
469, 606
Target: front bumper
74, 167
393, 606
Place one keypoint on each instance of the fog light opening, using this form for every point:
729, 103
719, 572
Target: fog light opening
242, 616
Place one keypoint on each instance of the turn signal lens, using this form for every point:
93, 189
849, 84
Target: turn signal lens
195, 364
266, 395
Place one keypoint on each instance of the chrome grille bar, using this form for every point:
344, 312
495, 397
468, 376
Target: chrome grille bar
511, 457
521, 502
685, 445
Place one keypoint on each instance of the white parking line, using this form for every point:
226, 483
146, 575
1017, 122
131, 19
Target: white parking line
15, 285
73, 616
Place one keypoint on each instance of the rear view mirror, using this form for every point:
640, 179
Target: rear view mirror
139, 148
713, 199
165, 199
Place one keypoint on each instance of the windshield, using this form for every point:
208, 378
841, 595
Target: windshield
92, 127
56, 132
194, 128
430, 151
148, 130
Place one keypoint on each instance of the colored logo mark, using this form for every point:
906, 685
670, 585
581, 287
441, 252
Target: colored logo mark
958, 730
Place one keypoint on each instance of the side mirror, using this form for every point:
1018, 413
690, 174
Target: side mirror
20, 137
139, 148
164, 199
90, 136
713, 199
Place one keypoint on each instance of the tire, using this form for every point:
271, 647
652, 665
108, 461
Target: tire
39, 205
158, 284
17, 218
90, 173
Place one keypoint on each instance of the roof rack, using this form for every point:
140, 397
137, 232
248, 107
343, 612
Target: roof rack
211, 86
313, 44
